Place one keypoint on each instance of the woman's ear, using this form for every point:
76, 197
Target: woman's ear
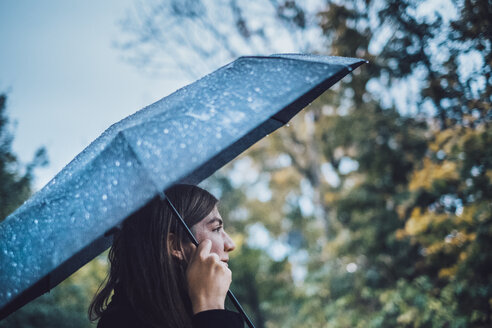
172, 244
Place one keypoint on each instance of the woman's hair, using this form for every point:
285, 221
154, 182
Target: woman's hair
141, 262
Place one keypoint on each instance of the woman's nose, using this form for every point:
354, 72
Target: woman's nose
229, 245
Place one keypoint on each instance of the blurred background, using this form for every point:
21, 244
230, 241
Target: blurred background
373, 208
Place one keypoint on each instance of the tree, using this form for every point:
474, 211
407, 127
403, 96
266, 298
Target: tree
371, 194
448, 216
66, 305
15, 185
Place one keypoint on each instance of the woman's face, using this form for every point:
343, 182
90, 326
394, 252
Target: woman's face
212, 227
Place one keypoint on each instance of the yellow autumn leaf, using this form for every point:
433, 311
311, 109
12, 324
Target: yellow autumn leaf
284, 176
463, 256
435, 248
400, 234
430, 172
408, 316
488, 173
331, 197
448, 272
468, 214
442, 138
419, 221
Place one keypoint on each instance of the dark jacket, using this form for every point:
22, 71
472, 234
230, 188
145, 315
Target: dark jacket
120, 314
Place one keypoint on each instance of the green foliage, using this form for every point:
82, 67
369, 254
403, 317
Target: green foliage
449, 218
66, 305
271, 281
15, 180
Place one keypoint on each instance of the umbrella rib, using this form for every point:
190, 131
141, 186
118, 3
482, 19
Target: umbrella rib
122, 134
195, 242
138, 160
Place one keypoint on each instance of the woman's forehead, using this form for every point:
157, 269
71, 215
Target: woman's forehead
212, 217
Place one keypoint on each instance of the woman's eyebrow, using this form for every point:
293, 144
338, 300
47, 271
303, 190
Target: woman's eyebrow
215, 219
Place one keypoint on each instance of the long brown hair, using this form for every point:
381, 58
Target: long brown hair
142, 264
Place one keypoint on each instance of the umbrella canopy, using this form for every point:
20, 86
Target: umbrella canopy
184, 137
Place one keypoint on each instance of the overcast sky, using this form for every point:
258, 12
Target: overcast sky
66, 82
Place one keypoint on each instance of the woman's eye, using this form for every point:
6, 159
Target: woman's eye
217, 229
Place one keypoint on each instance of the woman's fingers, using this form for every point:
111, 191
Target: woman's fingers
208, 279
203, 252
214, 257
203, 249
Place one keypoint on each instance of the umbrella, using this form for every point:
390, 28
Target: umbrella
184, 137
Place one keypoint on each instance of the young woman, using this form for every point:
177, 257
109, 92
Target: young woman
159, 278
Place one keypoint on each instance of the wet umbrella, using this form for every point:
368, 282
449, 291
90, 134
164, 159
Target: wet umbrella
184, 137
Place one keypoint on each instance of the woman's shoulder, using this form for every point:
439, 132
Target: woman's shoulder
126, 318
217, 319
119, 316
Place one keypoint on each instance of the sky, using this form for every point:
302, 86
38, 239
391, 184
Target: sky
65, 80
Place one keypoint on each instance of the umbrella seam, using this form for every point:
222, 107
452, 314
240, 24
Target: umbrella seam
138, 160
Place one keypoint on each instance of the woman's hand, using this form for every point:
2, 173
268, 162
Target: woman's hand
208, 279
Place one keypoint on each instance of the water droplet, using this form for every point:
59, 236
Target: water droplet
77, 195
35, 221
105, 209
257, 89
250, 99
104, 197
349, 68
87, 216
166, 131
14, 264
9, 294
115, 182
139, 142
226, 93
117, 163
182, 145
287, 125
128, 163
